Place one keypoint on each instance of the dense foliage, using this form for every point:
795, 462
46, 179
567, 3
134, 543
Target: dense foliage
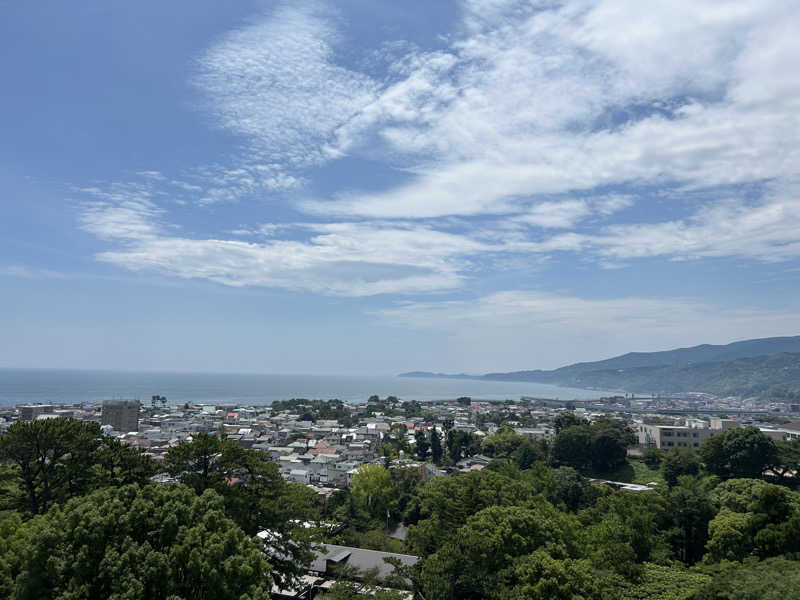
53, 460
139, 542
81, 519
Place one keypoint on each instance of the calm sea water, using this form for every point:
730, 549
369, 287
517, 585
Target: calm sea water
61, 386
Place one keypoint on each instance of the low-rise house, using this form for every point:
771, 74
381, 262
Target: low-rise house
300, 476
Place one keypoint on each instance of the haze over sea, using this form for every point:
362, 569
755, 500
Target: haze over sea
67, 386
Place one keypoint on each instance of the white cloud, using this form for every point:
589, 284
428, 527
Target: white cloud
556, 214
275, 82
766, 230
130, 219
351, 259
552, 99
526, 119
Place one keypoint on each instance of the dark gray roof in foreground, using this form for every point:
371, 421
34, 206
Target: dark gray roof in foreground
360, 558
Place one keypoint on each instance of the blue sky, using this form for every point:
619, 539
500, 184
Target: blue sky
366, 186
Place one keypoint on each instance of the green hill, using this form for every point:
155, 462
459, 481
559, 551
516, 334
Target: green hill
767, 368
774, 377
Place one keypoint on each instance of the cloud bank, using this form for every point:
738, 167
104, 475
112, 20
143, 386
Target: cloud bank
537, 130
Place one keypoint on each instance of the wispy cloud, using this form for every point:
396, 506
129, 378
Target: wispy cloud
530, 329
577, 95
524, 126
351, 259
276, 82
765, 230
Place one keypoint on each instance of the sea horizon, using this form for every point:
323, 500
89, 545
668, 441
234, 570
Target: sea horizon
69, 386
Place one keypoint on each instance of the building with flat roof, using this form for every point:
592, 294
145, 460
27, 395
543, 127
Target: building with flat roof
30, 412
783, 434
667, 437
122, 415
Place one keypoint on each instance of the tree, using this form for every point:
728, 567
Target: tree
744, 452
397, 439
572, 488
573, 447
358, 589
443, 504
565, 420
412, 408
374, 490
255, 496
652, 457
602, 446
623, 530
679, 462
52, 460
788, 463
14, 542
539, 576
116, 464
771, 579
461, 444
436, 446
729, 537
690, 510
156, 542
422, 445
502, 443
528, 453
480, 555
607, 452
406, 480
197, 462
611, 439
755, 519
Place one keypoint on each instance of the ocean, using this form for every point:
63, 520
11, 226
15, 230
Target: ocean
18, 386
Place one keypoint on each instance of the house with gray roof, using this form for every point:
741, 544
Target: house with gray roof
329, 556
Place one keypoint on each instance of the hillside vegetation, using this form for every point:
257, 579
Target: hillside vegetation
767, 368
766, 377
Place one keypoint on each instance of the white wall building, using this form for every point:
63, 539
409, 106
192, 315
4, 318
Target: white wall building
667, 437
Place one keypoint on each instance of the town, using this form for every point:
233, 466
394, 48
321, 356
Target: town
326, 445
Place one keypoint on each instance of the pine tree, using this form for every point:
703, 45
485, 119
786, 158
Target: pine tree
436, 446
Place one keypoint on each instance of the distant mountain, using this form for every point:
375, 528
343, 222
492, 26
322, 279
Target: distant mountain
775, 377
768, 367
428, 374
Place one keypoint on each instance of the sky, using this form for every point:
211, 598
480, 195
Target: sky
372, 186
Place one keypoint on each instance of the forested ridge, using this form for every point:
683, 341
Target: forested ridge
81, 518
775, 378
767, 368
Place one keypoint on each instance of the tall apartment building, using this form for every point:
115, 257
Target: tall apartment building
122, 415
30, 412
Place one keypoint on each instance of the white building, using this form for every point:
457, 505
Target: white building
667, 437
